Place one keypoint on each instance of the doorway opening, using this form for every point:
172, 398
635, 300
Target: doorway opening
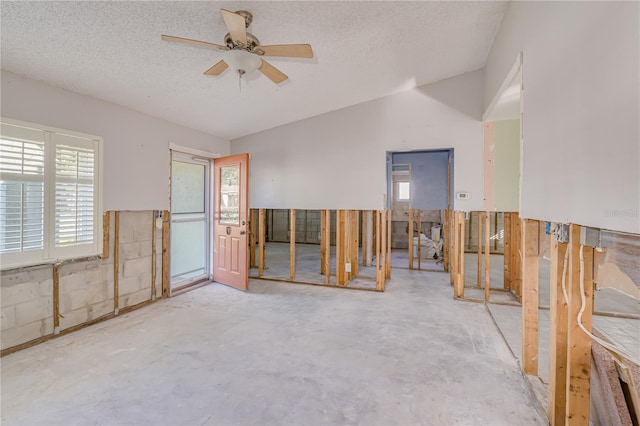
419, 185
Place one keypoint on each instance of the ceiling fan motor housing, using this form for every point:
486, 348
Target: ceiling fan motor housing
252, 42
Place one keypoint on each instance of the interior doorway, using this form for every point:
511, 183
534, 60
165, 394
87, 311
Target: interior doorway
190, 242
419, 188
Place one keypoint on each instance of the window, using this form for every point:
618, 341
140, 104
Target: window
50, 201
403, 191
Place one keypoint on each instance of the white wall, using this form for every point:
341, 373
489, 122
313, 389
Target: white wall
337, 160
581, 108
136, 145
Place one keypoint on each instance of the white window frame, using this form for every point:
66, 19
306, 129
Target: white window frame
24, 130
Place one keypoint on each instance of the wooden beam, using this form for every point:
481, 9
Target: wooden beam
370, 241
262, 216
326, 236
479, 247
253, 226
558, 335
383, 249
410, 232
487, 257
106, 216
388, 256
292, 244
153, 255
579, 344
341, 225
166, 226
56, 297
323, 241
453, 244
379, 278
516, 257
418, 228
446, 234
461, 252
458, 284
116, 261
355, 242
529, 274
507, 252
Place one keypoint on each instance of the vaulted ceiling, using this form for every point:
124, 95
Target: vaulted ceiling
363, 50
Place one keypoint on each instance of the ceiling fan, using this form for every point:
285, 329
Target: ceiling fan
242, 50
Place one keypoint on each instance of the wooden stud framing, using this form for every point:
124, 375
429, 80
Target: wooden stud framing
530, 252
410, 232
56, 297
446, 234
558, 324
461, 251
507, 252
388, 243
487, 256
453, 267
116, 260
326, 236
166, 226
419, 226
354, 228
578, 343
516, 257
323, 241
479, 247
253, 225
292, 244
106, 216
153, 255
262, 216
379, 277
341, 240
383, 248
458, 237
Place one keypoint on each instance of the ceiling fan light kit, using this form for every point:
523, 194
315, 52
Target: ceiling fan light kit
242, 50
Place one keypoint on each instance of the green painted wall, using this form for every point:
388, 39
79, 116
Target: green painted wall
507, 165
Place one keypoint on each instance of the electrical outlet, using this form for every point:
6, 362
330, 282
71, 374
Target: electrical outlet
347, 267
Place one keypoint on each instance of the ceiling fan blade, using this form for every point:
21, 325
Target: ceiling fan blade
286, 50
197, 43
217, 69
236, 25
273, 73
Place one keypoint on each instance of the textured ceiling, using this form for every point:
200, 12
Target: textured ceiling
363, 50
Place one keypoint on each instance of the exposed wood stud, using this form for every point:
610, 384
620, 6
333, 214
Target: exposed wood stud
153, 255
410, 232
507, 252
479, 215
116, 260
461, 252
253, 224
166, 226
558, 324
516, 257
326, 236
323, 241
383, 249
579, 344
106, 216
487, 257
56, 297
378, 250
529, 249
262, 214
355, 242
292, 244
446, 233
388, 243
419, 230
341, 255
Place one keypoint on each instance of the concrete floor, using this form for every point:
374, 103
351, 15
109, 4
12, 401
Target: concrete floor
279, 354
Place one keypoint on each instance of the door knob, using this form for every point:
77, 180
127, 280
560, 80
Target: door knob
243, 232
228, 230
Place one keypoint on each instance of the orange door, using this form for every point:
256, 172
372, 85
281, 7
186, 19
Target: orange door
230, 221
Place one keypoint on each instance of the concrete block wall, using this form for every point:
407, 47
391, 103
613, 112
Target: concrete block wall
86, 287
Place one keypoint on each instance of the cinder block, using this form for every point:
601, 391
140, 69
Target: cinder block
136, 267
46, 287
89, 295
72, 268
7, 317
79, 280
145, 280
128, 285
145, 248
34, 310
100, 309
12, 278
135, 298
21, 334
69, 319
19, 293
130, 250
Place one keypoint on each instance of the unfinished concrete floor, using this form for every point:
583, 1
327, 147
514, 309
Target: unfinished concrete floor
279, 354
